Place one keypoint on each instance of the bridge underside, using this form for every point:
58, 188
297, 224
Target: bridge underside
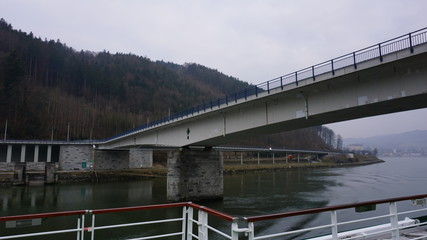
374, 109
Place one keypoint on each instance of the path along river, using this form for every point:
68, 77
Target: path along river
247, 194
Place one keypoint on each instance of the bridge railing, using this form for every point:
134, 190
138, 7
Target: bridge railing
377, 51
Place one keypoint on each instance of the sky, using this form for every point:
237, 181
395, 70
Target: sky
252, 40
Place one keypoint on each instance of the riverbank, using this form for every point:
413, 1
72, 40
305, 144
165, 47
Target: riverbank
159, 170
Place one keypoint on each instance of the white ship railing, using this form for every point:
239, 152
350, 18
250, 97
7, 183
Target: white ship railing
193, 222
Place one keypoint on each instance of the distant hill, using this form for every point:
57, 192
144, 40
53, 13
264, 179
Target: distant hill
407, 141
48, 88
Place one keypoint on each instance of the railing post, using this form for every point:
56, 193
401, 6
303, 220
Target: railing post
92, 236
312, 73
184, 221
334, 225
79, 226
332, 66
268, 87
410, 43
190, 223
235, 97
234, 231
83, 227
394, 221
251, 231
281, 83
354, 60
381, 55
256, 91
296, 78
246, 96
203, 222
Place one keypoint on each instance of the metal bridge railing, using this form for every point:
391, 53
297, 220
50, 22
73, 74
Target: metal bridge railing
377, 51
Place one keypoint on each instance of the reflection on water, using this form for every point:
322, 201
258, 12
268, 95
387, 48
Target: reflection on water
247, 194
35, 199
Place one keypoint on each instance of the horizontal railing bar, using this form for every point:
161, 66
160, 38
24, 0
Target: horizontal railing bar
212, 212
137, 223
363, 220
138, 208
412, 211
43, 215
330, 208
292, 232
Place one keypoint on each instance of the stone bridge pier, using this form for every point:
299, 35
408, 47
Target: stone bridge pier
194, 174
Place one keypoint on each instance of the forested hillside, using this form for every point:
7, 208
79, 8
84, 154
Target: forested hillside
47, 88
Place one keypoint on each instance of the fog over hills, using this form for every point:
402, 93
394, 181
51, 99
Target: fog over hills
413, 141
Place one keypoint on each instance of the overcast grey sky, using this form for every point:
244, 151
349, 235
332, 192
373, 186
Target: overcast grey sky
252, 40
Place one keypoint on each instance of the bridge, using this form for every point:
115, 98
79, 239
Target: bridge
384, 78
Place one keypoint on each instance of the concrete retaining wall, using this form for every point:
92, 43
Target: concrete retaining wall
111, 160
75, 157
7, 166
36, 166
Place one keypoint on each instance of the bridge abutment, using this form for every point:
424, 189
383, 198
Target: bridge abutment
194, 175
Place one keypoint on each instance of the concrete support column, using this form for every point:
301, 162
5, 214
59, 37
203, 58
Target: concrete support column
49, 153
140, 158
9, 154
50, 173
23, 148
36, 153
194, 175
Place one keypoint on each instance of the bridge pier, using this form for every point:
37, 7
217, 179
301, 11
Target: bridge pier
194, 175
139, 158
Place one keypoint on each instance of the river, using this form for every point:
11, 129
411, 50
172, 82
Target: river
246, 194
